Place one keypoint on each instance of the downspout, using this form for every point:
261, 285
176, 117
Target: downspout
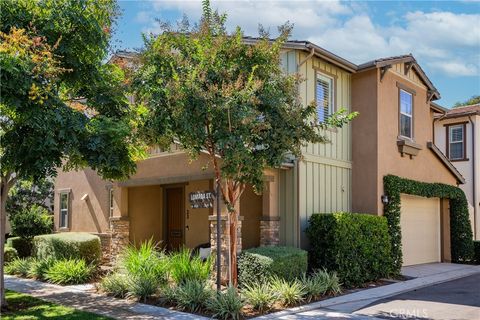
475, 200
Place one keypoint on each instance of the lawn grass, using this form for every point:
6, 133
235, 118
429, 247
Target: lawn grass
25, 307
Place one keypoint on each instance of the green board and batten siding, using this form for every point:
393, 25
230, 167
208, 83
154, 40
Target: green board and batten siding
323, 177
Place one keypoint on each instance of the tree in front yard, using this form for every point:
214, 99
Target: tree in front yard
211, 92
60, 105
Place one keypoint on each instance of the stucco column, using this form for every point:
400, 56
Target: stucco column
270, 221
119, 222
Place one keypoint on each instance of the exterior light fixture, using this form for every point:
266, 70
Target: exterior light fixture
384, 199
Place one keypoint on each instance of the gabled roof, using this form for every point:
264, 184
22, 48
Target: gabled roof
311, 47
464, 111
408, 58
338, 61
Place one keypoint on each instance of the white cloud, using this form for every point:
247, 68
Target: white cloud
446, 42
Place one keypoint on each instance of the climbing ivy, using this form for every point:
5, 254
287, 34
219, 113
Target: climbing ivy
461, 236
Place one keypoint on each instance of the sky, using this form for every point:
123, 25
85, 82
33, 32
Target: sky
444, 36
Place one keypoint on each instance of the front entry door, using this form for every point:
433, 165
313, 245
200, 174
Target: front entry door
175, 228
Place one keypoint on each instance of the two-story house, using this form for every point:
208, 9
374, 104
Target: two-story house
390, 136
457, 134
159, 200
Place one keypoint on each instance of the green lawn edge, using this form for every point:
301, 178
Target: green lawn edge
25, 307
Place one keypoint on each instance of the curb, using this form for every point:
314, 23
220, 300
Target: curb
378, 293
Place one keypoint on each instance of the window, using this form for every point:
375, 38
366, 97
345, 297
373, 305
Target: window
110, 201
324, 96
406, 114
456, 142
64, 208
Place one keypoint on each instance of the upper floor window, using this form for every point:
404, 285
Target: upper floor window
64, 209
456, 142
324, 96
406, 114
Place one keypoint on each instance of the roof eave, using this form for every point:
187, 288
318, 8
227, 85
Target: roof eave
446, 162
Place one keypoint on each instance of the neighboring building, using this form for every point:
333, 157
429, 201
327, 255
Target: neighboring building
155, 202
457, 134
393, 134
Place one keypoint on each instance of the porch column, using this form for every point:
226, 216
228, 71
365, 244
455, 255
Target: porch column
224, 240
119, 222
270, 220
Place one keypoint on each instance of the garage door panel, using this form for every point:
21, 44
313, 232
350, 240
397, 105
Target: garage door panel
420, 225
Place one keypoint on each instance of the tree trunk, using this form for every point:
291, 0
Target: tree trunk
233, 246
4, 186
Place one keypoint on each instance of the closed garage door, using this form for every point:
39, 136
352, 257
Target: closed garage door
420, 223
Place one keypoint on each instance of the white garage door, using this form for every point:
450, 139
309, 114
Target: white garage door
420, 223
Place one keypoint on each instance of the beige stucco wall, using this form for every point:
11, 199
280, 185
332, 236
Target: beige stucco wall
365, 142
145, 207
197, 229
90, 215
465, 167
424, 167
251, 210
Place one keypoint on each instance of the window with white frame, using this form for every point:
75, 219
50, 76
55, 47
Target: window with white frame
110, 201
324, 96
406, 114
456, 142
64, 209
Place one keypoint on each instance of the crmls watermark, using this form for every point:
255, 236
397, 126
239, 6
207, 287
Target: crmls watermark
408, 313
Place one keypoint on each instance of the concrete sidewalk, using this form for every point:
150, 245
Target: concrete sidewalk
81, 298
427, 275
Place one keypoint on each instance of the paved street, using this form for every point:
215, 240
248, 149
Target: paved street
453, 300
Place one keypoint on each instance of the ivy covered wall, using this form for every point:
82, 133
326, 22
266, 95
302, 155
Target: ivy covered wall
460, 230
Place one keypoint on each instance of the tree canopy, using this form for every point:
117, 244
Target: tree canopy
212, 92
473, 100
60, 104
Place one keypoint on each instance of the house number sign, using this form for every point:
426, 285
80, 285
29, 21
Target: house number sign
201, 199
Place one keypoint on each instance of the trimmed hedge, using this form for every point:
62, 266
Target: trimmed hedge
10, 254
356, 246
461, 237
68, 245
256, 264
476, 246
22, 245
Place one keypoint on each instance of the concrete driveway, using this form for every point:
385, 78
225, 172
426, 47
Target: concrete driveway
454, 300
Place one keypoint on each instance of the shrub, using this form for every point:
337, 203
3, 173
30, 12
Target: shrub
10, 254
192, 295
259, 295
185, 267
39, 267
22, 245
289, 293
226, 305
258, 264
146, 269
357, 246
319, 283
30, 222
19, 266
476, 247
69, 271
460, 229
68, 245
115, 284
